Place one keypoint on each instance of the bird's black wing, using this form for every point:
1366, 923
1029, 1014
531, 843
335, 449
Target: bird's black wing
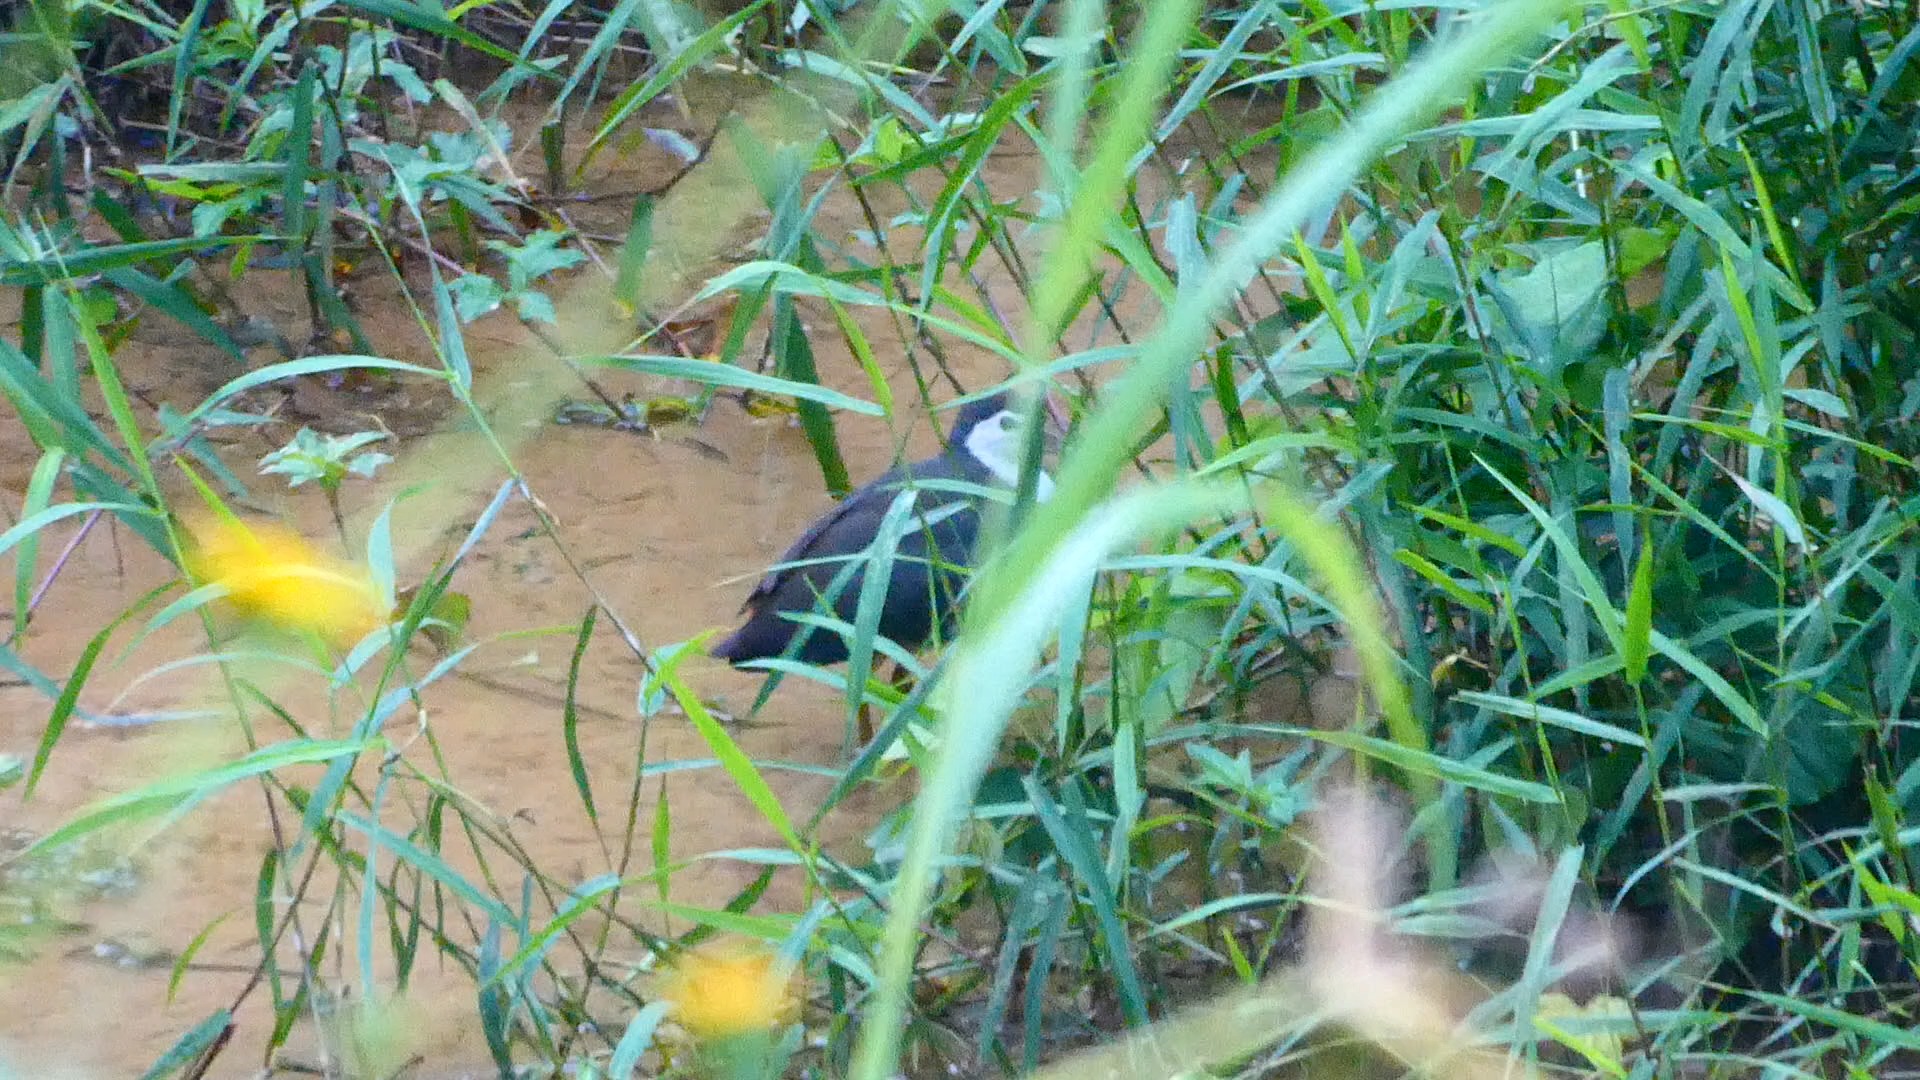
875, 497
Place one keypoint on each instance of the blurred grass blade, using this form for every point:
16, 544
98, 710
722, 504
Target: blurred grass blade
174, 790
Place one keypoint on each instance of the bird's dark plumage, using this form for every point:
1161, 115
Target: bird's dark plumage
928, 568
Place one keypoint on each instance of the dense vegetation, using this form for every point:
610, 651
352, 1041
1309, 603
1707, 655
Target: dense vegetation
1554, 367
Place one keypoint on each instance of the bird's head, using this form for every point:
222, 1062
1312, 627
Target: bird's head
993, 431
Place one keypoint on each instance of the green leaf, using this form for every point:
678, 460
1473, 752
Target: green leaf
1547, 714
310, 365
570, 716
1716, 684
1472, 528
732, 759
430, 17
710, 373
1636, 639
636, 1040
69, 697
46, 473
1075, 843
427, 863
536, 257
49, 268
1424, 763
665, 75
190, 1046
1423, 566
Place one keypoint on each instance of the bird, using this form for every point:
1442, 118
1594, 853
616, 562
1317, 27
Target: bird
930, 562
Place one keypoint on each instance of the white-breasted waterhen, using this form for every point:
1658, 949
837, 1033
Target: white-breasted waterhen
934, 551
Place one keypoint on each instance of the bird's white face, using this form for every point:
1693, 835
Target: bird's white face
997, 442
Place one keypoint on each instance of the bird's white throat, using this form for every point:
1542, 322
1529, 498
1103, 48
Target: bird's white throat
996, 442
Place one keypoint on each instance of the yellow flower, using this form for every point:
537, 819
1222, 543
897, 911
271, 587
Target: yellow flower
733, 990
271, 573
